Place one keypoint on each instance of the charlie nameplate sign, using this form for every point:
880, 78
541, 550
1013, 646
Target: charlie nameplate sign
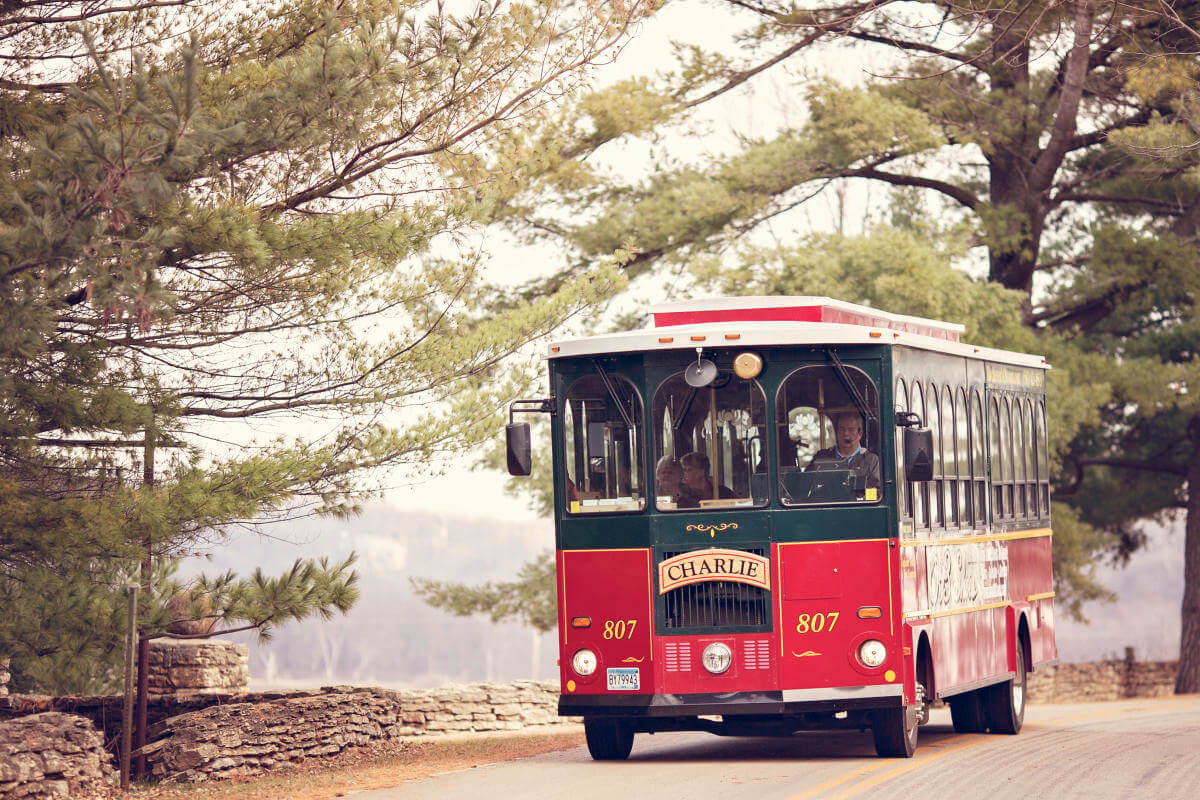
714, 565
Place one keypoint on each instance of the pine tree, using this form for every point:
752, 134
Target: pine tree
235, 261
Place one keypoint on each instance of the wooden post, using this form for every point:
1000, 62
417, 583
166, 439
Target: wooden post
143, 670
127, 700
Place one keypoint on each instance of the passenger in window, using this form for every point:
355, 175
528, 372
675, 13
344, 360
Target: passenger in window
849, 453
697, 482
668, 484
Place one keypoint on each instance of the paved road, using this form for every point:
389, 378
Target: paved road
1130, 749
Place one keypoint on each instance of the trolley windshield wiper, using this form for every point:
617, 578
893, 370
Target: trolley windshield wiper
844, 375
612, 392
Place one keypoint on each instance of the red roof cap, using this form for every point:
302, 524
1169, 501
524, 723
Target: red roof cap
797, 309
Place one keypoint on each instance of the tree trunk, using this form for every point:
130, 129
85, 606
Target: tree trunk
1187, 681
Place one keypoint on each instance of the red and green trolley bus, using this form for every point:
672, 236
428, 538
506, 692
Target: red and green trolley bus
779, 514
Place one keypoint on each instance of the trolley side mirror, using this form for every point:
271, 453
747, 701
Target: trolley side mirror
518, 450
918, 454
517, 445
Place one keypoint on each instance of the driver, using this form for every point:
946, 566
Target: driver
849, 452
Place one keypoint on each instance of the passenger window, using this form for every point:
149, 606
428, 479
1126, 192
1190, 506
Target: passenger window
602, 429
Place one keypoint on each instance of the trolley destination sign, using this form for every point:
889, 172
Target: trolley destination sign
714, 565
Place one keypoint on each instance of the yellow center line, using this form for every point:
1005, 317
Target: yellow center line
911, 764
929, 754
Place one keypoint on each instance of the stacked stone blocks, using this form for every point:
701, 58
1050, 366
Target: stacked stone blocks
1102, 680
197, 666
52, 755
250, 738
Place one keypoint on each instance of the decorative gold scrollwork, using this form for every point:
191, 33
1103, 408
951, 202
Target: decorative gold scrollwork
713, 530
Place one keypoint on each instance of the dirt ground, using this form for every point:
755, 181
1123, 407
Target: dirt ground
373, 767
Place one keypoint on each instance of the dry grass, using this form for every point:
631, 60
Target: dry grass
373, 767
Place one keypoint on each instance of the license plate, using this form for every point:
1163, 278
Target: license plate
624, 679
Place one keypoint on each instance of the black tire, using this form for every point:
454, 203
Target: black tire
608, 739
967, 712
893, 736
1006, 701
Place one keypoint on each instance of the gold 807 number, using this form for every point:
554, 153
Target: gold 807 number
619, 628
818, 622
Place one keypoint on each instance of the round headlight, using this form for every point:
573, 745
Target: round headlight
717, 658
583, 662
872, 653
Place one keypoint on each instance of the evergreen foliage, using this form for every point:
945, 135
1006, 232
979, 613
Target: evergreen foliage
524, 600
235, 261
1053, 141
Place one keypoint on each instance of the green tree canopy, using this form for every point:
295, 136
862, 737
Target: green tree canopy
1057, 138
235, 259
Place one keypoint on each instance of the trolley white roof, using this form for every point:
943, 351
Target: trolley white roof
773, 321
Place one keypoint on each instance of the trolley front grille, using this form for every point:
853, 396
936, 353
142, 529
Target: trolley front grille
716, 604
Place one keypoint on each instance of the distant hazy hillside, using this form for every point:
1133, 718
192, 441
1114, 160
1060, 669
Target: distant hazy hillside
393, 639
1146, 614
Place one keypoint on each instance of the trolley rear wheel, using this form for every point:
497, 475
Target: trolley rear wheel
1006, 701
608, 739
967, 712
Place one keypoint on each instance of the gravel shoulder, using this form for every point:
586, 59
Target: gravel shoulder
376, 766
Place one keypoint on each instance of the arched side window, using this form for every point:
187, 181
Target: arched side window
828, 443
709, 446
1006, 445
962, 455
1020, 452
1031, 487
920, 491
937, 511
997, 461
602, 428
1043, 458
979, 469
949, 460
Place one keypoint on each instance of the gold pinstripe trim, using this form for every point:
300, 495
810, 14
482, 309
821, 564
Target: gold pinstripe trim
887, 561
607, 550
650, 598
952, 611
991, 537
779, 591
834, 541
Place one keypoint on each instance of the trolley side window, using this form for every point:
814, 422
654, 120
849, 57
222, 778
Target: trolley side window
828, 424
602, 432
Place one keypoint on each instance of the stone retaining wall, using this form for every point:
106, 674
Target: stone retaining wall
251, 737
197, 737
52, 755
1102, 680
